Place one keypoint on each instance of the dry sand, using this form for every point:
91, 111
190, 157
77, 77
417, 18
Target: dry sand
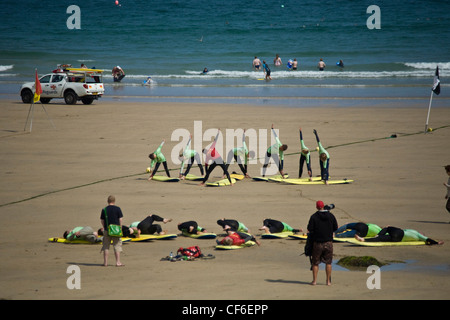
57, 179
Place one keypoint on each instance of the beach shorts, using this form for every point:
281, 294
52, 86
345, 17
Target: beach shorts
116, 242
322, 252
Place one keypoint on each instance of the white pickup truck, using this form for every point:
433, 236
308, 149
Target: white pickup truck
72, 84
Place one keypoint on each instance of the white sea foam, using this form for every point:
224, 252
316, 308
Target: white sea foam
4, 68
429, 65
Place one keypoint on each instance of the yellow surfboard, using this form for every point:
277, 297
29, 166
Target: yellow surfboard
221, 183
278, 176
165, 179
279, 235
234, 247
207, 235
62, 240
84, 70
385, 244
343, 181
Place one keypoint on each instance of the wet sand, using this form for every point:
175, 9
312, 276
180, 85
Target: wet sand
57, 179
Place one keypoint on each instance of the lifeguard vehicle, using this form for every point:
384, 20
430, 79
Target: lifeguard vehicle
72, 84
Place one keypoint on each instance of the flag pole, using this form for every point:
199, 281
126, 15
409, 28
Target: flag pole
429, 108
31, 110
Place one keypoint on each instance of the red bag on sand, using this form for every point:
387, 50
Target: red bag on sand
193, 251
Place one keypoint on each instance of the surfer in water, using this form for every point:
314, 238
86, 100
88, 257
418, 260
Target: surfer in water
266, 70
321, 65
277, 61
118, 73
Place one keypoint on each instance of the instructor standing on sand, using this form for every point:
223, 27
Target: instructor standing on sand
321, 227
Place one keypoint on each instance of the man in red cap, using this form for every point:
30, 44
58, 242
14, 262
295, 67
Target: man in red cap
321, 227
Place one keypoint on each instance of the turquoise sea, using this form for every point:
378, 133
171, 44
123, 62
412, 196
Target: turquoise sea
173, 41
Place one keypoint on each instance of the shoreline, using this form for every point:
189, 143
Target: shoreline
102, 149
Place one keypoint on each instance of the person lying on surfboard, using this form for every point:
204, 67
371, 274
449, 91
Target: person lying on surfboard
276, 151
237, 239
191, 227
146, 226
305, 157
324, 160
213, 156
275, 226
233, 225
394, 234
237, 153
191, 156
158, 158
361, 229
82, 233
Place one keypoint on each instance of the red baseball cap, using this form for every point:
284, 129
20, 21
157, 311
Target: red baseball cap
319, 205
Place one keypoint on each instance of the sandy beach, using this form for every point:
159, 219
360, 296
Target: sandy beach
54, 179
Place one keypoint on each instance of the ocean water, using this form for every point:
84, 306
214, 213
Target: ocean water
173, 41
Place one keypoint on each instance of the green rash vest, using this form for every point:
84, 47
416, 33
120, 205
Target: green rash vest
242, 151
287, 227
71, 235
159, 157
413, 235
277, 146
242, 227
373, 230
187, 154
303, 147
322, 150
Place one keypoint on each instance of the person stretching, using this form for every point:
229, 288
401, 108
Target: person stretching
158, 158
216, 158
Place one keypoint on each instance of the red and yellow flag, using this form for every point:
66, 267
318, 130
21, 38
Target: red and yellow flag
37, 85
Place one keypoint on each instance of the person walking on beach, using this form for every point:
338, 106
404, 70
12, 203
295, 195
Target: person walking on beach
266, 70
158, 158
321, 65
447, 185
190, 155
321, 226
256, 64
216, 159
276, 151
324, 160
305, 157
114, 216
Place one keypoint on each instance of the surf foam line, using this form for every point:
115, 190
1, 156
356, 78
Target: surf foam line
144, 173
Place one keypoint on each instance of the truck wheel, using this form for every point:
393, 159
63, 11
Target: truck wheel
45, 100
26, 95
87, 100
70, 97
